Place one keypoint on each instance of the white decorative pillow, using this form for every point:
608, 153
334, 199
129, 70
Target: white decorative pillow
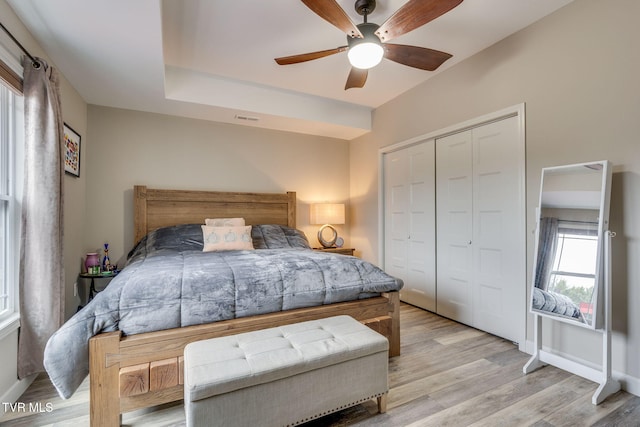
224, 222
226, 238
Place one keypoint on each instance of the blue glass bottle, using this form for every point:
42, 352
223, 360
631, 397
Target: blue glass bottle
106, 262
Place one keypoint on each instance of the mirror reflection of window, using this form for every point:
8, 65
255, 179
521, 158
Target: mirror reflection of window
567, 268
573, 272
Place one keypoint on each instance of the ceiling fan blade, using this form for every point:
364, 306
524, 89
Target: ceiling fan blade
414, 56
330, 11
296, 59
357, 78
414, 14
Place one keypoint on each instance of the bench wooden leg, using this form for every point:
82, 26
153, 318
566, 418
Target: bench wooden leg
382, 404
394, 339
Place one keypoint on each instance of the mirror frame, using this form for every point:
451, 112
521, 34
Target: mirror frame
603, 227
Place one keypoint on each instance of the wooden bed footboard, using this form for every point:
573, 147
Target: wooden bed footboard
140, 371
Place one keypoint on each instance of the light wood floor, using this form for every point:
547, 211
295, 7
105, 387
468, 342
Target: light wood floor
448, 375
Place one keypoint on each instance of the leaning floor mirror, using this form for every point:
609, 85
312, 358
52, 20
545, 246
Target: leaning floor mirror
571, 276
573, 215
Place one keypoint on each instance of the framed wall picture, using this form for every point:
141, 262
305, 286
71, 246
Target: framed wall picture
72, 151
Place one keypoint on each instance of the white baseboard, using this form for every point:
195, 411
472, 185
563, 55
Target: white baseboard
15, 391
628, 383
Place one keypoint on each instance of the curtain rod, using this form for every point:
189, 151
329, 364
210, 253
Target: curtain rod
575, 221
34, 61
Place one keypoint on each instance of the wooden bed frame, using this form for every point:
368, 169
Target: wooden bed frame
144, 370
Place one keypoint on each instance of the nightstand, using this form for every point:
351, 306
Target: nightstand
341, 251
87, 295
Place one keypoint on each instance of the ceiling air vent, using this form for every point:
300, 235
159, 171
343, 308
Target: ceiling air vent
247, 118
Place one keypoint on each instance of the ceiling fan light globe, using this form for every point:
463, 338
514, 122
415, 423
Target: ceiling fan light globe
365, 55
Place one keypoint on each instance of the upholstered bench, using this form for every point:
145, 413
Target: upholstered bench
285, 375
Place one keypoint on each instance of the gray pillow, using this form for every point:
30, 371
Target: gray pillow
270, 236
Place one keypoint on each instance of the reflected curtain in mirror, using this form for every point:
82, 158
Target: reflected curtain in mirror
546, 251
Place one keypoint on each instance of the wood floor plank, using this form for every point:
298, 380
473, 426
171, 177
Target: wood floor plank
583, 412
407, 392
538, 405
442, 358
627, 415
447, 375
479, 407
467, 334
400, 416
477, 385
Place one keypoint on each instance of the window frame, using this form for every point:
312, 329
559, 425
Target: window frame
12, 131
563, 236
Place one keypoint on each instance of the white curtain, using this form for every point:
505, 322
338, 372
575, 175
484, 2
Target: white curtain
41, 252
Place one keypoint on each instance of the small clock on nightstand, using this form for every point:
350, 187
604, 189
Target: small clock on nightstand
341, 251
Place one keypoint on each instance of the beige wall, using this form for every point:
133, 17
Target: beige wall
74, 112
160, 151
577, 71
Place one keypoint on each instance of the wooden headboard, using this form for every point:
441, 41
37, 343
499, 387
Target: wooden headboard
155, 208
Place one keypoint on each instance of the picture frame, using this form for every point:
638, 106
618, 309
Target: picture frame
71, 151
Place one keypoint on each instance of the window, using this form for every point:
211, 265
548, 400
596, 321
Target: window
10, 173
574, 267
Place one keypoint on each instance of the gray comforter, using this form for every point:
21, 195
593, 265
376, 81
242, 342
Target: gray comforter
555, 303
169, 282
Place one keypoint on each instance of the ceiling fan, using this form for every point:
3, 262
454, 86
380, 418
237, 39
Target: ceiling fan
367, 43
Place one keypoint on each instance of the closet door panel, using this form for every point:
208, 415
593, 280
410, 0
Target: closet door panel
421, 276
498, 255
396, 214
409, 183
454, 210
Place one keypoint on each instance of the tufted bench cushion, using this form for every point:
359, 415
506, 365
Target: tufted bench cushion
284, 375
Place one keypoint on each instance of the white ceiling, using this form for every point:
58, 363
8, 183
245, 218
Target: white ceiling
213, 59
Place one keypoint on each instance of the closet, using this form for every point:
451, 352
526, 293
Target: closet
454, 222
410, 222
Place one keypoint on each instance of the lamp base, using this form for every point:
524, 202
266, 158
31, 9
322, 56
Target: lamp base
324, 242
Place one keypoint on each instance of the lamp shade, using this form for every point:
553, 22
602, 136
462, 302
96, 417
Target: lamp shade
327, 213
365, 55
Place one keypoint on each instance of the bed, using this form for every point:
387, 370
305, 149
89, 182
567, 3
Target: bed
134, 371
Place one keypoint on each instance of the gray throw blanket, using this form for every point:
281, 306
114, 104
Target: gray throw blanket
170, 283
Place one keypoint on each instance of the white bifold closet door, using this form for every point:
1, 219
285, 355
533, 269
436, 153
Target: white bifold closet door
454, 184
409, 185
480, 228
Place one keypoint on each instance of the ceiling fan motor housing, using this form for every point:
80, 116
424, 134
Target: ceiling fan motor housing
365, 6
368, 30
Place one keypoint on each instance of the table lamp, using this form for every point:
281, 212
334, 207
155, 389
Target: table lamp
327, 214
